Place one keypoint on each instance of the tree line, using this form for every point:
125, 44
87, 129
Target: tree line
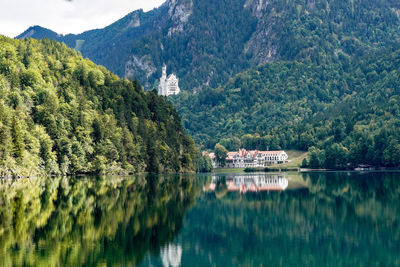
346, 114
62, 114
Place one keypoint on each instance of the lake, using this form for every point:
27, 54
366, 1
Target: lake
285, 219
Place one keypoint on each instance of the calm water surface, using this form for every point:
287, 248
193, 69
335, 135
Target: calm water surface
322, 219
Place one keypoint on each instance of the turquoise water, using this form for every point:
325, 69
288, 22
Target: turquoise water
321, 219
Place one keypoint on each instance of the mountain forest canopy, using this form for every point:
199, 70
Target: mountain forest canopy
62, 114
317, 75
206, 42
344, 113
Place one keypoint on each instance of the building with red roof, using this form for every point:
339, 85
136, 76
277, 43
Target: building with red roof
251, 158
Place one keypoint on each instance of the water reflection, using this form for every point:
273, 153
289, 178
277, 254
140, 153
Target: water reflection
75, 222
171, 255
321, 219
249, 183
336, 219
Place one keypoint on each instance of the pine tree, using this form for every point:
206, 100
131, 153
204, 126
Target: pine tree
18, 148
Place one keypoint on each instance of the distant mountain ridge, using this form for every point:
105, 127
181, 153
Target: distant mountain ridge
38, 32
109, 46
206, 42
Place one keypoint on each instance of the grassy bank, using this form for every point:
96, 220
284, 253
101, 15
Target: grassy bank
296, 158
229, 170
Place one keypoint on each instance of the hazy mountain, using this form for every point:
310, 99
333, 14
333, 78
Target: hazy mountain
206, 42
39, 33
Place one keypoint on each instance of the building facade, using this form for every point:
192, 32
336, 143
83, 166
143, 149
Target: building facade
168, 85
251, 159
251, 183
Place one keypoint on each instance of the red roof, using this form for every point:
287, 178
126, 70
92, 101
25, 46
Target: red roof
243, 152
271, 152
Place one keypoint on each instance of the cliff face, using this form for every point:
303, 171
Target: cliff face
208, 41
179, 13
264, 43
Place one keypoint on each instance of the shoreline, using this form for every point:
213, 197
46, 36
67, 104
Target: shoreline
299, 170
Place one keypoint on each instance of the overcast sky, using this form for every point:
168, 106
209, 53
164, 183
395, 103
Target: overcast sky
63, 16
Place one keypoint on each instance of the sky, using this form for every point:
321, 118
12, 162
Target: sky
66, 16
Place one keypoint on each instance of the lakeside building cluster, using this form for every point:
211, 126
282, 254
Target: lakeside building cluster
251, 158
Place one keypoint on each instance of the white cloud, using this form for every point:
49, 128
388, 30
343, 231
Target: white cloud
64, 16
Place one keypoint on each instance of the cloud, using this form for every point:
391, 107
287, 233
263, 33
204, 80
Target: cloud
66, 16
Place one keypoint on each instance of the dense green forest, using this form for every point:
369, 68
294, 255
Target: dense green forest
343, 113
208, 41
62, 114
317, 75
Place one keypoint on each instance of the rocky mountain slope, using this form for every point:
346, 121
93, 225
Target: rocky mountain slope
206, 42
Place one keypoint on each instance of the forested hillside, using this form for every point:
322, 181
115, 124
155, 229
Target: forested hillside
206, 41
342, 112
318, 75
62, 114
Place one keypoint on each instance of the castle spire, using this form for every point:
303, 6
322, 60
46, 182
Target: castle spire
168, 85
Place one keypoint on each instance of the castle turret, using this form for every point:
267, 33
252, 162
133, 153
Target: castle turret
162, 87
168, 85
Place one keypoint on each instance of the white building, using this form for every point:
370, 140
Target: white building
251, 183
251, 158
168, 85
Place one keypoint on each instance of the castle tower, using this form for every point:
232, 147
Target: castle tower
162, 87
168, 85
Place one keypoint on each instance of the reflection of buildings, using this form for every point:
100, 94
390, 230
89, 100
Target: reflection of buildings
171, 255
251, 158
252, 183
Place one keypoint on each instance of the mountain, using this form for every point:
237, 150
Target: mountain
38, 32
206, 42
110, 46
317, 75
345, 113
62, 114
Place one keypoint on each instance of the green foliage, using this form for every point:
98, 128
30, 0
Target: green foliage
220, 154
204, 163
17, 139
304, 163
60, 113
223, 37
334, 80
337, 108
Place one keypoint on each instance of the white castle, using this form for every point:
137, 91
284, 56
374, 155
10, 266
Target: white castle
168, 85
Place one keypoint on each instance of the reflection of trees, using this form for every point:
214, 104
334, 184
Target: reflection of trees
78, 222
340, 220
